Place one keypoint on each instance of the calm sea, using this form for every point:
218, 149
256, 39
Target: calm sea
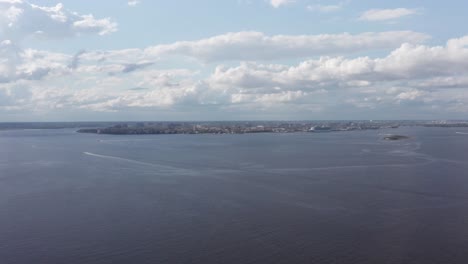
346, 197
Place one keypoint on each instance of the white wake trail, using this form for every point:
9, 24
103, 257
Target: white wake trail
132, 161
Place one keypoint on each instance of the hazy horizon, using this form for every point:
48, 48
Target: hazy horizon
239, 120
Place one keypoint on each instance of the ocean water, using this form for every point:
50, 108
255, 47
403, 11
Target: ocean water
346, 197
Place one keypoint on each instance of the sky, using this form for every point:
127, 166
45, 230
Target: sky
232, 60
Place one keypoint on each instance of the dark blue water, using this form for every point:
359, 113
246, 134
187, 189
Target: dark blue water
345, 197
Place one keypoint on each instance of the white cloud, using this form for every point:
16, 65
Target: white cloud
407, 63
132, 79
279, 3
418, 61
409, 95
89, 24
325, 8
251, 45
411, 67
20, 19
269, 98
386, 14
133, 3
29, 64
11, 1
446, 82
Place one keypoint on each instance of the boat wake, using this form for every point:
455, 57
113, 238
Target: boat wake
162, 167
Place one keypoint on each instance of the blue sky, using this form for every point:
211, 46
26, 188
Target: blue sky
160, 22
232, 60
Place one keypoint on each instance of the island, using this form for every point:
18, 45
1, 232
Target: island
237, 127
232, 127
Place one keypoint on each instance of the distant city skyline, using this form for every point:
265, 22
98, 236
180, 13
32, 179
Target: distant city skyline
232, 60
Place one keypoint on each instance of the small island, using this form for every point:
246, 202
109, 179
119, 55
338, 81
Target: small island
395, 137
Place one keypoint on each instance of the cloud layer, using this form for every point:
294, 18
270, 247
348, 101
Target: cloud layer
20, 19
236, 74
251, 45
411, 75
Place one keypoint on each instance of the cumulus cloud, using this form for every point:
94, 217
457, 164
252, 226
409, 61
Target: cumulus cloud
410, 74
254, 46
326, 8
9, 56
379, 80
20, 19
268, 98
279, 3
29, 64
133, 3
407, 63
386, 14
410, 95
251, 45
247, 72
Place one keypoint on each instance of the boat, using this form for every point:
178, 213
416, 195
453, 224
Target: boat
320, 129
